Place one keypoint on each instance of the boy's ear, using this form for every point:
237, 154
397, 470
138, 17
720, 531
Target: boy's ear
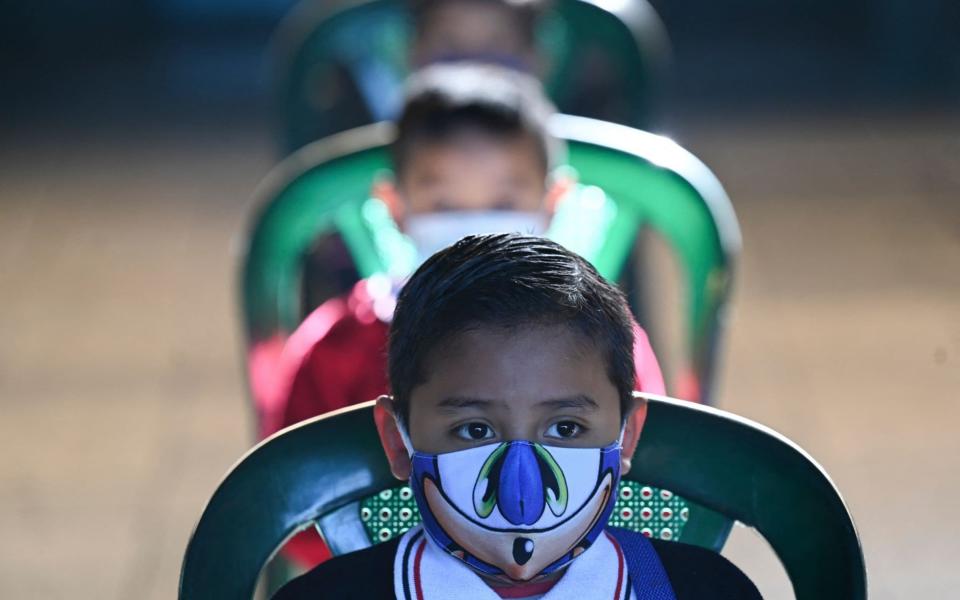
384, 414
636, 417
385, 189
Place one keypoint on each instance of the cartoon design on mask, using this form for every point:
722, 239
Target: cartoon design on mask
517, 508
511, 471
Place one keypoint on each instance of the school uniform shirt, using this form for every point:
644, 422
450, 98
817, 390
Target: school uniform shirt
413, 567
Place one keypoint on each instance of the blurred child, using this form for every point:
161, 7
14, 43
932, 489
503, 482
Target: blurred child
500, 32
513, 418
364, 81
504, 32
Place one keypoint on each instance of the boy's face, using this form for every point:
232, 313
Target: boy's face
543, 384
471, 28
487, 386
473, 172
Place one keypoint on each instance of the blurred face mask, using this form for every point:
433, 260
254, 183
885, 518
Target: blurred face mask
432, 232
517, 508
503, 59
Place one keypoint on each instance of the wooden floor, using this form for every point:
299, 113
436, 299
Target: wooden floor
121, 401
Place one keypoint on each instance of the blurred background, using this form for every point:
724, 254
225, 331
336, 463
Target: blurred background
132, 136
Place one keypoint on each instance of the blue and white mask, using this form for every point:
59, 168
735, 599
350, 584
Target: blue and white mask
517, 508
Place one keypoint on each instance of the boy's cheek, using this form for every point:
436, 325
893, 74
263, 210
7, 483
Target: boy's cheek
428, 436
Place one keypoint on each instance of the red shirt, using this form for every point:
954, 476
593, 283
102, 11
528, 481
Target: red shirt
340, 359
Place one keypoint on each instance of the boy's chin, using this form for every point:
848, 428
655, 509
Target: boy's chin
493, 547
505, 580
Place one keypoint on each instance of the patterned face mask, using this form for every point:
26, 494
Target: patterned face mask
517, 508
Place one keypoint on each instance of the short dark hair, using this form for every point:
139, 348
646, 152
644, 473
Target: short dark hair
444, 100
506, 280
527, 12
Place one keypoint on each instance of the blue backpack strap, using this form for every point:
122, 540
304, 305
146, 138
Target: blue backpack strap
648, 578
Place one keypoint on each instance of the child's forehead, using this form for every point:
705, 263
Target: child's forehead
445, 9
500, 357
473, 138
522, 373
475, 152
498, 339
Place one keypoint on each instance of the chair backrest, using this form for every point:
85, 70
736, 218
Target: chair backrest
629, 180
340, 64
319, 470
654, 512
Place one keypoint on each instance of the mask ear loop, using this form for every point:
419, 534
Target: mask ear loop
623, 428
401, 427
406, 439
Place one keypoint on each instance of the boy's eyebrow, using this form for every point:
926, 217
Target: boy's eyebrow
455, 402
577, 402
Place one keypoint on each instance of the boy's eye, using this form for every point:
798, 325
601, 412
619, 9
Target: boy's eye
564, 430
475, 431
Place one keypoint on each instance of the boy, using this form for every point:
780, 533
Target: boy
363, 84
504, 32
513, 417
500, 32
471, 137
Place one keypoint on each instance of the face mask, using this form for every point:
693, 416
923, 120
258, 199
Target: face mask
518, 508
432, 232
509, 61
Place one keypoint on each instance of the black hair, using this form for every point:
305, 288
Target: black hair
527, 13
444, 100
506, 281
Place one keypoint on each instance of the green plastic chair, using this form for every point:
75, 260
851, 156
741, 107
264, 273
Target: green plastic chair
318, 471
629, 181
341, 64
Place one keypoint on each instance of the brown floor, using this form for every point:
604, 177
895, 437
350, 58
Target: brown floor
121, 401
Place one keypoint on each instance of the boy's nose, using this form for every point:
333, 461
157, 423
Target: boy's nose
520, 491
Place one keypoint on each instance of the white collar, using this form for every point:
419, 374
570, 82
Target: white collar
423, 571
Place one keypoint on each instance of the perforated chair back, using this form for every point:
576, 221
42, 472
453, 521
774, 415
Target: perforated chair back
629, 181
341, 64
319, 471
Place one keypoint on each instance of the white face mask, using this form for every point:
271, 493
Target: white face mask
432, 232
